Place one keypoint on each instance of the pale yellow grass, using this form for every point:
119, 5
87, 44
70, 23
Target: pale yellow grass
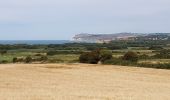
82, 82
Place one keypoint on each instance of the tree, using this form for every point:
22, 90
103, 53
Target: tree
130, 56
95, 56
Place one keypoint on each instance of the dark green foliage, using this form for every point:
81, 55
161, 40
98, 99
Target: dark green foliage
28, 59
95, 56
105, 55
116, 47
84, 57
158, 65
130, 56
119, 61
109, 62
144, 56
53, 52
44, 58
15, 60
163, 54
55, 61
2, 52
3, 62
155, 48
91, 48
38, 54
90, 57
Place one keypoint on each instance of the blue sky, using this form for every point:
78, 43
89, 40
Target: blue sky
61, 19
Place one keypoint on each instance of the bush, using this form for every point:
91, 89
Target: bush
163, 54
2, 52
43, 58
131, 56
144, 56
51, 53
91, 48
28, 59
90, 57
158, 65
84, 57
95, 56
155, 48
14, 60
109, 62
119, 61
55, 61
38, 54
4, 62
105, 55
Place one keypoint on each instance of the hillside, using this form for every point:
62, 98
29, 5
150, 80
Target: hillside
82, 82
101, 38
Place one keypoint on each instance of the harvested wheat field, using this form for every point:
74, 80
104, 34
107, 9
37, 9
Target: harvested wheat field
82, 82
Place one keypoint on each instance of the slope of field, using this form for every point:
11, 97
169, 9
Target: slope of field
82, 82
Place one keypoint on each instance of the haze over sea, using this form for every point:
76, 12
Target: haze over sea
33, 42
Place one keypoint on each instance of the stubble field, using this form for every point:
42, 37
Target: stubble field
82, 82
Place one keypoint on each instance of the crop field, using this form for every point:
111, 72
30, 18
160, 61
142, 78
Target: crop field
82, 82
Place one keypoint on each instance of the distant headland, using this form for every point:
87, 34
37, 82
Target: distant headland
105, 38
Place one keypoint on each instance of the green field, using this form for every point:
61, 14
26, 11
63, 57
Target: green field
150, 53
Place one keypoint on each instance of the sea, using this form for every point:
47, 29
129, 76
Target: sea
34, 42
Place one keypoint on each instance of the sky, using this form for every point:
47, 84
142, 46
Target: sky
62, 19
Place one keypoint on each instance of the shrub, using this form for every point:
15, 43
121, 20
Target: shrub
43, 58
15, 60
91, 48
109, 62
105, 55
119, 61
28, 59
158, 65
38, 54
130, 56
163, 54
144, 56
84, 57
4, 62
155, 48
55, 61
2, 52
90, 57
114, 47
51, 53
94, 57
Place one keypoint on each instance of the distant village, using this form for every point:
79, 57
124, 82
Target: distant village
106, 38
